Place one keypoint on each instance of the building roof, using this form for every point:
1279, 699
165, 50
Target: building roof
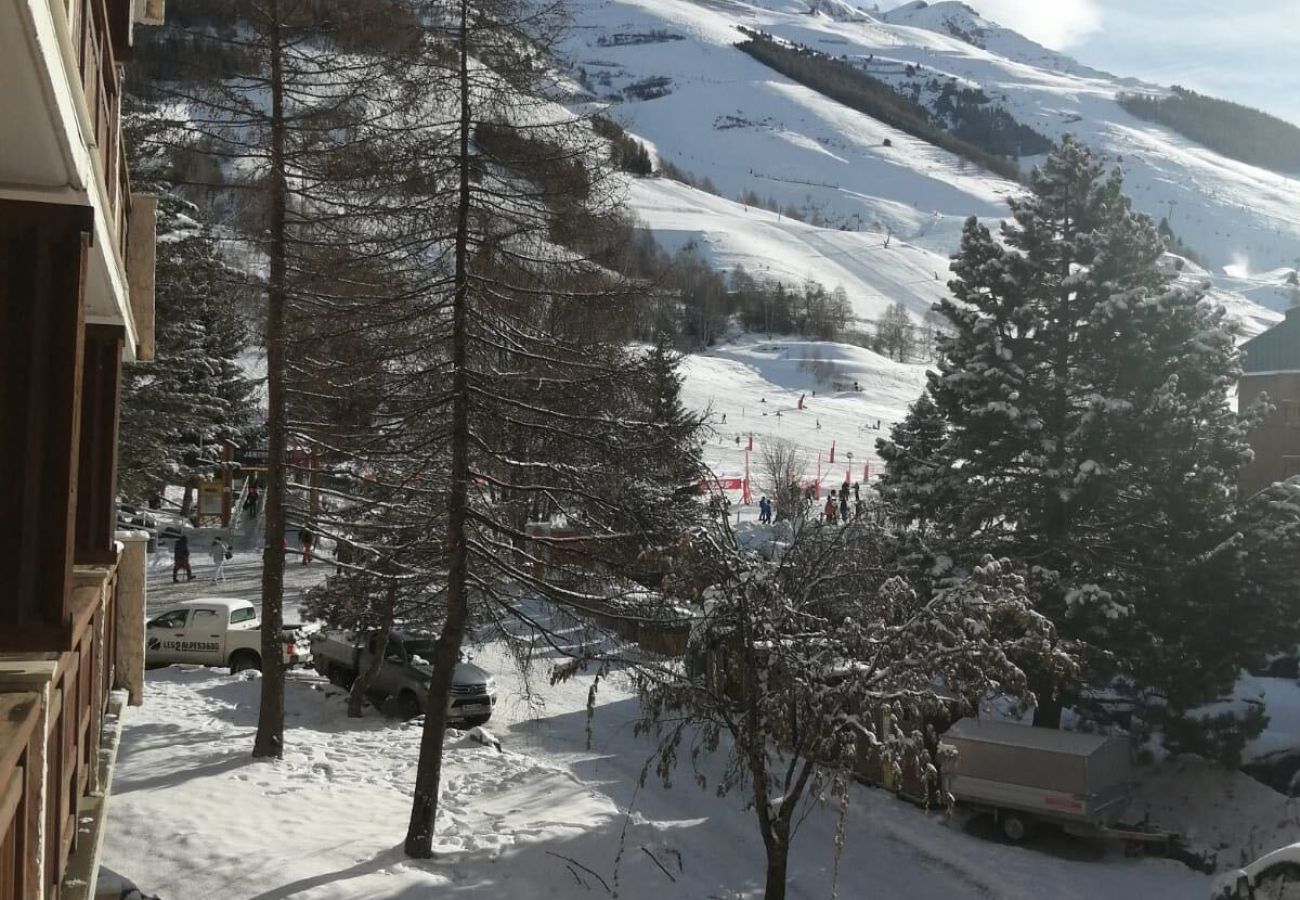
1276, 350
1011, 734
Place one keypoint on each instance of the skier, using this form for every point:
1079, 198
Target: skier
801, 398
829, 510
857, 498
181, 559
724, 418
305, 537
220, 553
250, 502
844, 507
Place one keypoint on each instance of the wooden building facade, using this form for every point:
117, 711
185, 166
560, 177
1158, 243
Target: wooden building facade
1272, 367
76, 301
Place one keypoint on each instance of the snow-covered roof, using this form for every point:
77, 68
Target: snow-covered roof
1009, 734
227, 603
1276, 350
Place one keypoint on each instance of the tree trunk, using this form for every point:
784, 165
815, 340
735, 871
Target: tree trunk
269, 742
428, 774
357, 696
187, 499
778, 854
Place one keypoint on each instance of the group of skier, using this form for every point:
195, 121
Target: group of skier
836, 510
833, 512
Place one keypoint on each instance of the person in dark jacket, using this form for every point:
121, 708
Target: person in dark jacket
307, 539
181, 559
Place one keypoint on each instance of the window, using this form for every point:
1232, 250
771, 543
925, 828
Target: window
174, 619
246, 614
394, 653
1291, 413
204, 617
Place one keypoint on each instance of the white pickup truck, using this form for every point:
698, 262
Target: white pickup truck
215, 631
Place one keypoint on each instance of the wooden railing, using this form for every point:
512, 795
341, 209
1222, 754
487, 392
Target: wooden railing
101, 81
20, 778
55, 749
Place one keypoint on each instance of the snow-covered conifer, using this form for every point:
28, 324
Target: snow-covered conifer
1090, 432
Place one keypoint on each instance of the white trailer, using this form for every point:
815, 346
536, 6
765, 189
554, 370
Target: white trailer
1024, 775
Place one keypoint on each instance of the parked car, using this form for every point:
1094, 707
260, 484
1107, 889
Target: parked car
1024, 776
405, 673
216, 631
1274, 876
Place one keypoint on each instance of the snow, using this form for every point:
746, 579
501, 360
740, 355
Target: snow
1226, 816
753, 379
728, 234
731, 119
193, 816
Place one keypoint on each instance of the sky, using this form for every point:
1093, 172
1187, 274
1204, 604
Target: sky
1242, 50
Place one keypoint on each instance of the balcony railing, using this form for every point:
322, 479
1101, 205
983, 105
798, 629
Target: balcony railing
95, 36
52, 713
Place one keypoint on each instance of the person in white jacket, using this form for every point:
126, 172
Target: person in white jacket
220, 553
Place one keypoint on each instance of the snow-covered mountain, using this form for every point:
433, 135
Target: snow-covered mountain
674, 77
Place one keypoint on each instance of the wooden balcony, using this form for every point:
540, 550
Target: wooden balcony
100, 30
58, 717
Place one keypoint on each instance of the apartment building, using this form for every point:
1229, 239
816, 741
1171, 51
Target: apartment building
1272, 367
76, 301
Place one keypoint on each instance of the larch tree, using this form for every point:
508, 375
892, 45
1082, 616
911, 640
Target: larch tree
540, 405
283, 103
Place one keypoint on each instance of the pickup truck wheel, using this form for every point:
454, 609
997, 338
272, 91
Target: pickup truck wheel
1015, 827
474, 721
244, 660
408, 705
340, 676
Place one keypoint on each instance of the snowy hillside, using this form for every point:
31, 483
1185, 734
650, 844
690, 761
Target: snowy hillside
756, 384
728, 234
675, 79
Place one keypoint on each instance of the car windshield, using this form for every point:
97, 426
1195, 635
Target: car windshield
421, 649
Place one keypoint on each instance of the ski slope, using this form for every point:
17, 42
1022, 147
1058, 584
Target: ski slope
757, 384
873, 271
669, 71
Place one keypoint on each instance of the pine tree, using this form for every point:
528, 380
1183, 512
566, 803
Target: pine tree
914, 478
177, 409
1089, 432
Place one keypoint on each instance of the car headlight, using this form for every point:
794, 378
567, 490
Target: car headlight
491, 686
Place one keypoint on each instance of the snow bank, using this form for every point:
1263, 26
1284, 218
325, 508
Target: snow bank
1226, 816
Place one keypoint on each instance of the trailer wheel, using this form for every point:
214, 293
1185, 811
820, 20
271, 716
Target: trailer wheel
1015, 827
